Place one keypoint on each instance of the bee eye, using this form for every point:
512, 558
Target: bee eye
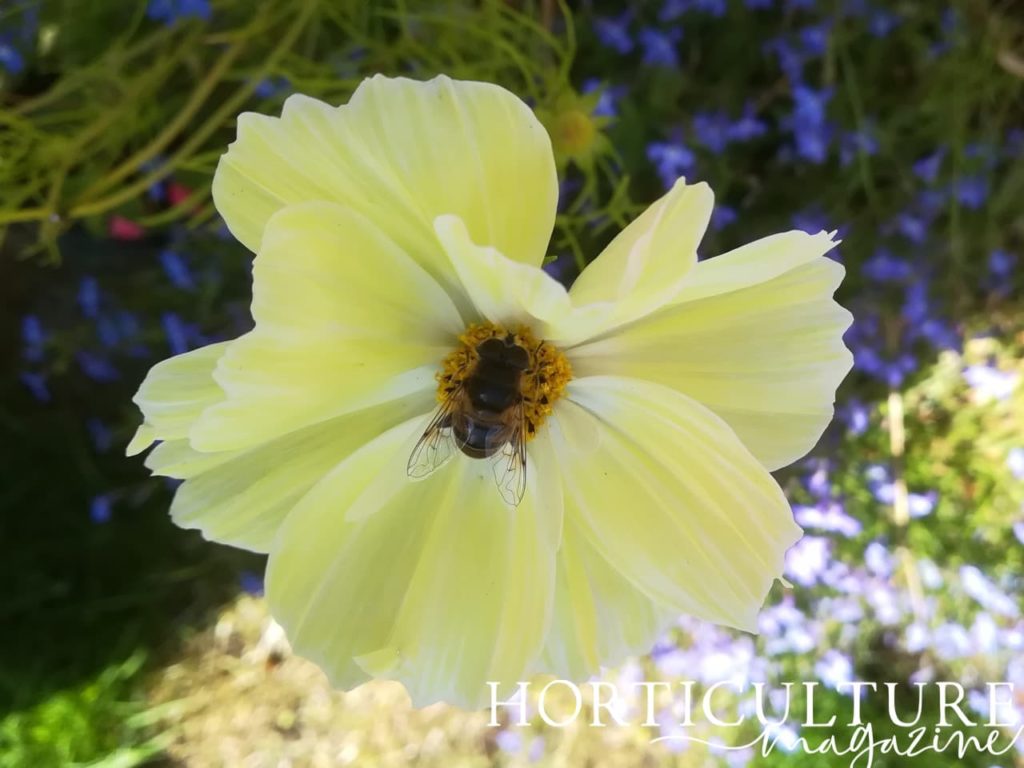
517, 357
492, 349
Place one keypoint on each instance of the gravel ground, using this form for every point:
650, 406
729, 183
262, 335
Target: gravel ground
238, 697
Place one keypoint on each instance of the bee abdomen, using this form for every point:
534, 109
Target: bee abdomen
477, 440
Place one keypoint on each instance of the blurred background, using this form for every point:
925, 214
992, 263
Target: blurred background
126, 641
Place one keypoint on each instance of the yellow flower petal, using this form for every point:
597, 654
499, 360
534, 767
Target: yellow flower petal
436, 583
178, 459
599, 617
672, 499
174, 393
645, 265
754, 335
242, 497
402, 153
344, 319
502, 290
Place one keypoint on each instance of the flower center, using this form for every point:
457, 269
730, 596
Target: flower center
574, 132
498, 373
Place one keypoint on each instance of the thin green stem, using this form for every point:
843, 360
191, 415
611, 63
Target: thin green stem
216, 120
180, 121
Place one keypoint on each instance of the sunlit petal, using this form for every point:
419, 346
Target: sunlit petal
672, 499
344, 319
754, 335
644, 266
401, 152
174, 393
599, 617
242, 497
502, 290
437, 583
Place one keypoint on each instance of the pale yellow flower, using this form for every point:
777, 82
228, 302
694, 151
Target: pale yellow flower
384, 229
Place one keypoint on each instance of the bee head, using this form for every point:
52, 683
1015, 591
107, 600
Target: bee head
504, 351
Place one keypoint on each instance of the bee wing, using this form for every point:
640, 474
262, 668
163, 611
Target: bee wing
436, 445
509, 465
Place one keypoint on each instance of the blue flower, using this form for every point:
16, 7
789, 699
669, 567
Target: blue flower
176, 269
834, 669
10, 59
938, 333
89, 296
723, 216
563, 269
614, 33
854, 143
1015, 462
807, 560
608, 100
989, 382
895, 372
915, 302
170, 11
812, 143
814, 39
881, 22
659, 46
811, 221
36, 384
711, 129
811, 132
33, 337
987, 594
671, 160
921, 504
971, 191
251, 582
877, 559
817, 482
883, 267
1001, 264
951, 641
927, 168
714, 7
269, 87
157, 192
912, 227
672, 9
181, 336
100, 509
748, 126
856, 416
790, 60
829, 517
96, 367
811, 104
759, 4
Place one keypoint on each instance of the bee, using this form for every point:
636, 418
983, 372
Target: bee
483, 416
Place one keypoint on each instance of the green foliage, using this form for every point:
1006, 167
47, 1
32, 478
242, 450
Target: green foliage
105, 116
90, 722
